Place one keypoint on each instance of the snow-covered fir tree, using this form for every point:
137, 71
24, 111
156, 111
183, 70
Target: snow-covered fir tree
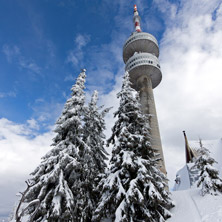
64, 183
56, 180
209, 175
57, 183
134, 189
93, 159
94, 132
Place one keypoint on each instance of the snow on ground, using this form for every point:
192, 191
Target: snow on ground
191, 207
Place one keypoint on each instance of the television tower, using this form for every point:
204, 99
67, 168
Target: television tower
140, 54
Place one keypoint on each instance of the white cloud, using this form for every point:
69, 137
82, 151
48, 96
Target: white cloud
20, 152
76, 55
7, 94
29, 65
13, 54
33, 124
10, 51
19, 147
69, 77
168, 8
81, 40
45, 113
189, 95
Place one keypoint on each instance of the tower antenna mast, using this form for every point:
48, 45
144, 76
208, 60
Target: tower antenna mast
136, 20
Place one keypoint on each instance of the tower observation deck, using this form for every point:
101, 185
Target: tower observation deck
140, 55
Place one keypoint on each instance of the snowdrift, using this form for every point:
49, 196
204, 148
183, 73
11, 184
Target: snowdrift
192, 207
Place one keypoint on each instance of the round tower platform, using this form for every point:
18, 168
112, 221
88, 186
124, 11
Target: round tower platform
140, 42
144, 64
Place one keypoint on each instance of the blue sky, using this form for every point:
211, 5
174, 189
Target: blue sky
45, 43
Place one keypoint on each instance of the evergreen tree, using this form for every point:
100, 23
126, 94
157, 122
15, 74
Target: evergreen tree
93, 159
94, 132
134, 189
209, 175
56, 181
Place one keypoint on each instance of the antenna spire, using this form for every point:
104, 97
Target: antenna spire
136, 19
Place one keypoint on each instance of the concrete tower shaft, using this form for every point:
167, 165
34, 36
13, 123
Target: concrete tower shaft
140, 54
